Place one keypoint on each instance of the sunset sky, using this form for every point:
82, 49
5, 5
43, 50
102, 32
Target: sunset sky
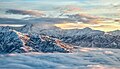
109, 9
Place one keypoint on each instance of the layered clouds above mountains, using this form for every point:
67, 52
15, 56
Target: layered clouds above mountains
66, 14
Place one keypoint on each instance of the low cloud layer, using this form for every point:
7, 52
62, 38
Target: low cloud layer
35, 20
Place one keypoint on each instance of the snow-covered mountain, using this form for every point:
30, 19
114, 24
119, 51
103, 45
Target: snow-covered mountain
46, 38
16, 42
116, 32
79, 37
9, 40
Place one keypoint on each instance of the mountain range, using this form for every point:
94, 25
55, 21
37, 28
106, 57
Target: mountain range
79, 37
46, 38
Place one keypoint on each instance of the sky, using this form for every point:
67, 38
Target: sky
98, 7
21, 9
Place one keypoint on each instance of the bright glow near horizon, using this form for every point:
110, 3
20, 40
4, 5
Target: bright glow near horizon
103, 26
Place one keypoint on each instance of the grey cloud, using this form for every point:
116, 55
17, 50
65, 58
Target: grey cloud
34, 20
82, 18
12, 21
25, 12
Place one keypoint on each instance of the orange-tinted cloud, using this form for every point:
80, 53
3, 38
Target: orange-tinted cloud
72, 8
103, 25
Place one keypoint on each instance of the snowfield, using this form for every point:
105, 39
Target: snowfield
81, 58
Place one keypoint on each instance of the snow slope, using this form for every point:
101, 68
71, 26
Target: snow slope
82, 58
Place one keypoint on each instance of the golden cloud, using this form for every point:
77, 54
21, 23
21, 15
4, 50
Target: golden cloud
105, 26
